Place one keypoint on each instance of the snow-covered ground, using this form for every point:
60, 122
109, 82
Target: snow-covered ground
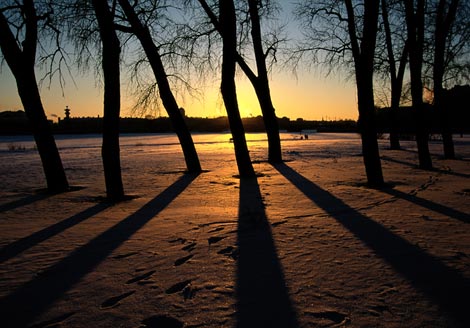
306, 245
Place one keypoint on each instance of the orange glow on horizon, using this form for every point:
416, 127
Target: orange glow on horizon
310, 98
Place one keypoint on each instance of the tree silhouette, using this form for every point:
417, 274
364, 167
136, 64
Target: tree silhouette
142, 32
363, 54
111, 50
352, 41
259, 81
445, 16
261, 84
395, 42
415, 31
20, 55
228, 88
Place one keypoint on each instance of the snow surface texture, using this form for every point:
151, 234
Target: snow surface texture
306, 245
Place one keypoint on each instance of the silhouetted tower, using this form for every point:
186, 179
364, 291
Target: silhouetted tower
67, 112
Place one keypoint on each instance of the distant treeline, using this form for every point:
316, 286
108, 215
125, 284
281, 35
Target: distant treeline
15, 122
455, 104
459, 120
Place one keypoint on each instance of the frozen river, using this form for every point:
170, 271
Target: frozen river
204, 141
150, 154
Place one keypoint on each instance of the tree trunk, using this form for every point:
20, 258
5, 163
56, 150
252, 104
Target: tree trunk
396, 80
443, 24
169, 102
448, 141
415, 27
364, 70
228, 88
261, 85
112, 103
446, 131
397, 86
47, 148
21, 63
271, 123
394, 134
367, 129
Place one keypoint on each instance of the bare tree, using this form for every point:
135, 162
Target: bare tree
259, 80
445, 17
415, 31
18, 42
260, 83
457, 47
111, 50
363, 54
142, 32
440, 42
394, 42
340, 32
228, 88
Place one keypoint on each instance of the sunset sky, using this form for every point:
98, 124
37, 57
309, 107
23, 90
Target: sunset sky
309, 94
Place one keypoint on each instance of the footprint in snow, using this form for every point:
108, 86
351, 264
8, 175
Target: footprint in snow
335, 316
275, 224
162, 321
55, 322
113, 301
216, 229
226, 250
177, 240
183, 260
123, 256
189, 247
229, 251
215, 239
178, 287
141, 277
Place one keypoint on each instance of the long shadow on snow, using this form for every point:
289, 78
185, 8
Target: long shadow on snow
262, 294
443, 285
415, 166
448, 211
439, 154
18, 246
23, 201
23, 305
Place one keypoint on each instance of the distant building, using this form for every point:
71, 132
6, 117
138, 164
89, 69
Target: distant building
67, 113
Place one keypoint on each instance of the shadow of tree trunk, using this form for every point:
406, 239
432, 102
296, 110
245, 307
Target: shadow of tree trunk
443, 285
262, 295
19, 246
23, 201
24, 304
